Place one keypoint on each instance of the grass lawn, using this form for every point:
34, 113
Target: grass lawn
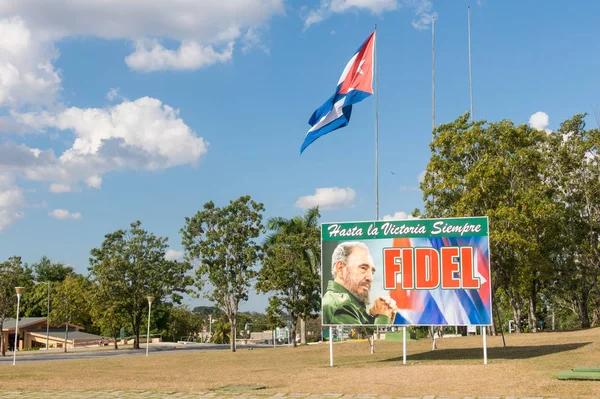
525, 368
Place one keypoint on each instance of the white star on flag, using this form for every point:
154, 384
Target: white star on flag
359, 69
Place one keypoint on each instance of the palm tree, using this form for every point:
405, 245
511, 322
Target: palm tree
306, 226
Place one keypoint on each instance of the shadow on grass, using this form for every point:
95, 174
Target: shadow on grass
510, 352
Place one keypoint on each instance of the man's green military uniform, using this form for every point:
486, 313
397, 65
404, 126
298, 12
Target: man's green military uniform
341, 307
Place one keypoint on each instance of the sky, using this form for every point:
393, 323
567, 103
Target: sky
117, 111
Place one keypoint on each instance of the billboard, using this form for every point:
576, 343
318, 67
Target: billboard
406, 272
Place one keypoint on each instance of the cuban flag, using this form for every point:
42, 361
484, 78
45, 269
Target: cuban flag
355, 84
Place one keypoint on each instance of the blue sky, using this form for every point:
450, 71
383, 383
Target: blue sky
199, 101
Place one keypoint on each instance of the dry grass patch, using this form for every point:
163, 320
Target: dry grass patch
525, 368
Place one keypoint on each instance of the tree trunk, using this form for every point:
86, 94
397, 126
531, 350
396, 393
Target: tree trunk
303, 331
232, 333
584, 315
293, 333
116, 335
516, 308
532, 318
2, 343
136, 333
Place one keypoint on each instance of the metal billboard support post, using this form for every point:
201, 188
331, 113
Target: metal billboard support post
484, 333
330, 346
404, 345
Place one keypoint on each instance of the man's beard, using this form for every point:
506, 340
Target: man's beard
364, 298
353, 286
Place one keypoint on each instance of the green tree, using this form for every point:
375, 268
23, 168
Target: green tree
108, 312
45, 274
574, 169
222, 240
12, 274
48, 270
131, 265
221, 332
182, 322
498, 170
294, 284
307, 227
71, 304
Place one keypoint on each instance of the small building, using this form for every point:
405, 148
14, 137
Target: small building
33, 334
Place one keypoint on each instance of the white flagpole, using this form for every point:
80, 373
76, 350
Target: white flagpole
376, 127
470, 67
433, 91
432, 75
376, 66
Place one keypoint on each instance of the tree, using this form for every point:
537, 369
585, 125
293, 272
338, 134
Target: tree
131, 265
222, 242
47, 270
45, 273
181, 322
574, 168
498, 170
292, 280
12, 274
307, 227
108, 311
71, 304
221, 332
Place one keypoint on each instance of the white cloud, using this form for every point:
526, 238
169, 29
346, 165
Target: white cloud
399, 216
63, 214
195, 25
12, 201
423, 13
60, 188
171, 254
113, 94
422, 10
251, 40
151, 56
144, 134
539, 121
27, 75
328, 198
94, 181
421, 176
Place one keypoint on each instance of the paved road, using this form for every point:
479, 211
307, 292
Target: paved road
213, 395
97, 354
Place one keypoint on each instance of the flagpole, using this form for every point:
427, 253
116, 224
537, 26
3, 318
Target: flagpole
432, 76
376, 127
433, 93
470, 67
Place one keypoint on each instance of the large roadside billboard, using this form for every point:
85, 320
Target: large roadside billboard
406, 272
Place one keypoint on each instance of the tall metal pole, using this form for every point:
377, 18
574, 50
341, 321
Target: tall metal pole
150, 299
376, 127
470, 67
432, 76
433, 93
48, 320
19, 291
